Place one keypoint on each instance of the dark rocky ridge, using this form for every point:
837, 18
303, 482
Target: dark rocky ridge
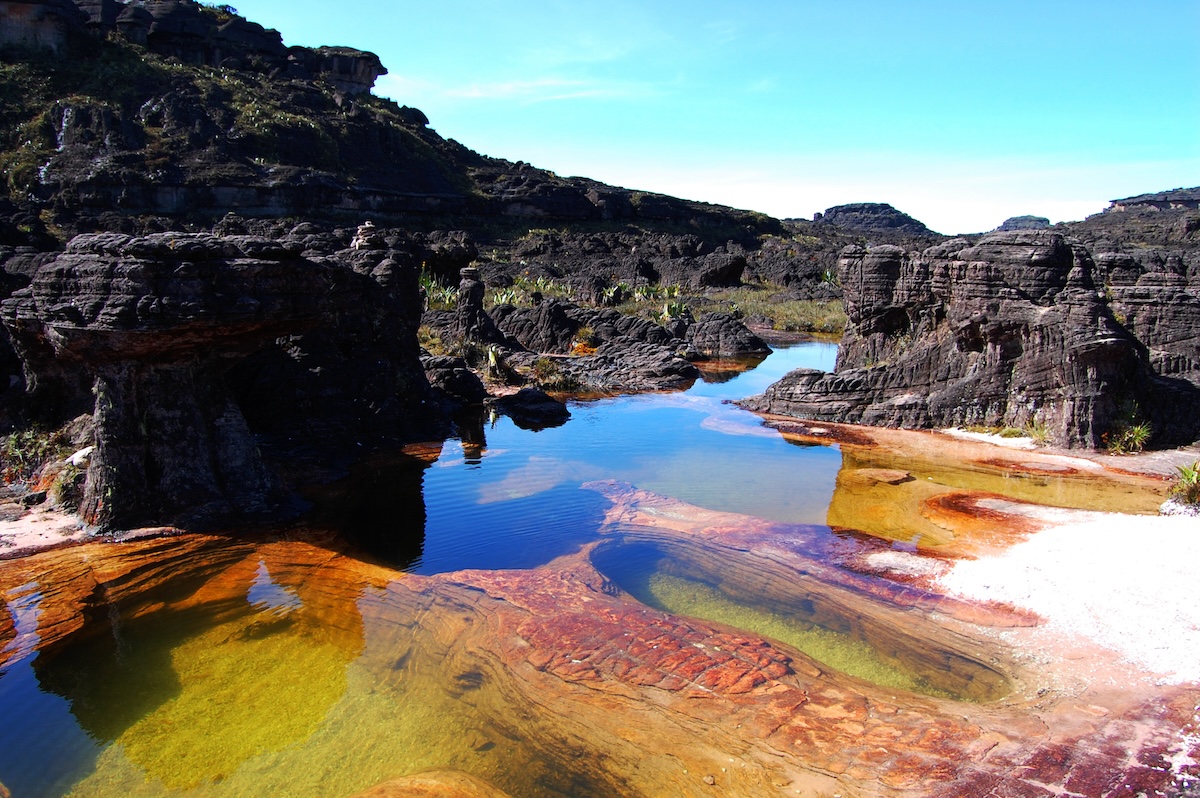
1031, 328
216, 114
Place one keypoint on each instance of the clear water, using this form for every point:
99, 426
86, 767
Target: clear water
518, 502
298, 682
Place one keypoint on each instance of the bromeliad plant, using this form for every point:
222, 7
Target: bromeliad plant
1186, 489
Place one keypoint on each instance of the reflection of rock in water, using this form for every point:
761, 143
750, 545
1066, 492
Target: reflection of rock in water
200, 679
380, 509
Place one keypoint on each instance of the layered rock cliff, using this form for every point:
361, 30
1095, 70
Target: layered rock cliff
191, 352
1013, 330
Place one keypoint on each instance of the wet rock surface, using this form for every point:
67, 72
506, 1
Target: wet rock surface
1010, 331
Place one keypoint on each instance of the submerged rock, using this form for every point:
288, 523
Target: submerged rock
587, 690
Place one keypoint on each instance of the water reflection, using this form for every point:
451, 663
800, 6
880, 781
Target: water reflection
379, 509
184, 692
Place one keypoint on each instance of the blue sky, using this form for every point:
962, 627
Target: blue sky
959, 113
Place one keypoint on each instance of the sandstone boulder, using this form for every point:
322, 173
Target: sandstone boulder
873, 217
723, 335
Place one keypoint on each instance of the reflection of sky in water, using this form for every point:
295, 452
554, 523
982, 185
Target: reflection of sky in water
44, 751
266, 594
521, 504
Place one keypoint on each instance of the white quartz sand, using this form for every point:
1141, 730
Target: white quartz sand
37, 529
1127, 583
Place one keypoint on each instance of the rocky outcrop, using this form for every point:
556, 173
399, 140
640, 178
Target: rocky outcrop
190, 345
533, 409
723, 335
1023, 223
453, 379
1175, 199
1011, 331
39, 23
871, 217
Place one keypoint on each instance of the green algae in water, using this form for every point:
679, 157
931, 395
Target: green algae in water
838, 651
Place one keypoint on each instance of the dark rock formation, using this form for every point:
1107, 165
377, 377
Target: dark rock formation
723, 335
532, 409
1175, 199
39, 23
873, 217
189, 345
1023, 223
453, 378
137, 132
471, 322
1009, 332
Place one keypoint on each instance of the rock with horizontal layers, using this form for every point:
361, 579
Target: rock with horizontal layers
1155, 294
1023, 223
723, 335
873, 217
182, 342
1010, 331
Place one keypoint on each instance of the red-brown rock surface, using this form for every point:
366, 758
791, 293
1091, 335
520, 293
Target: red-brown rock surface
634, 701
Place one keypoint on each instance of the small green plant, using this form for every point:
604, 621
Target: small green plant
1186, 489
615, 294
23, 452
1039, 431
496, 368
675, 309
437, 295
1127, 438
1129, 434
67, 489
505, 296
549, 377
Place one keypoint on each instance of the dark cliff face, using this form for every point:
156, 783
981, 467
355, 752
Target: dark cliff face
1014, 330
193, 349
180, 110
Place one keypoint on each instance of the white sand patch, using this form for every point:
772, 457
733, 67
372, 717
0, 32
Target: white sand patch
37, 529
1128, 583
903, 563
1022, 442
